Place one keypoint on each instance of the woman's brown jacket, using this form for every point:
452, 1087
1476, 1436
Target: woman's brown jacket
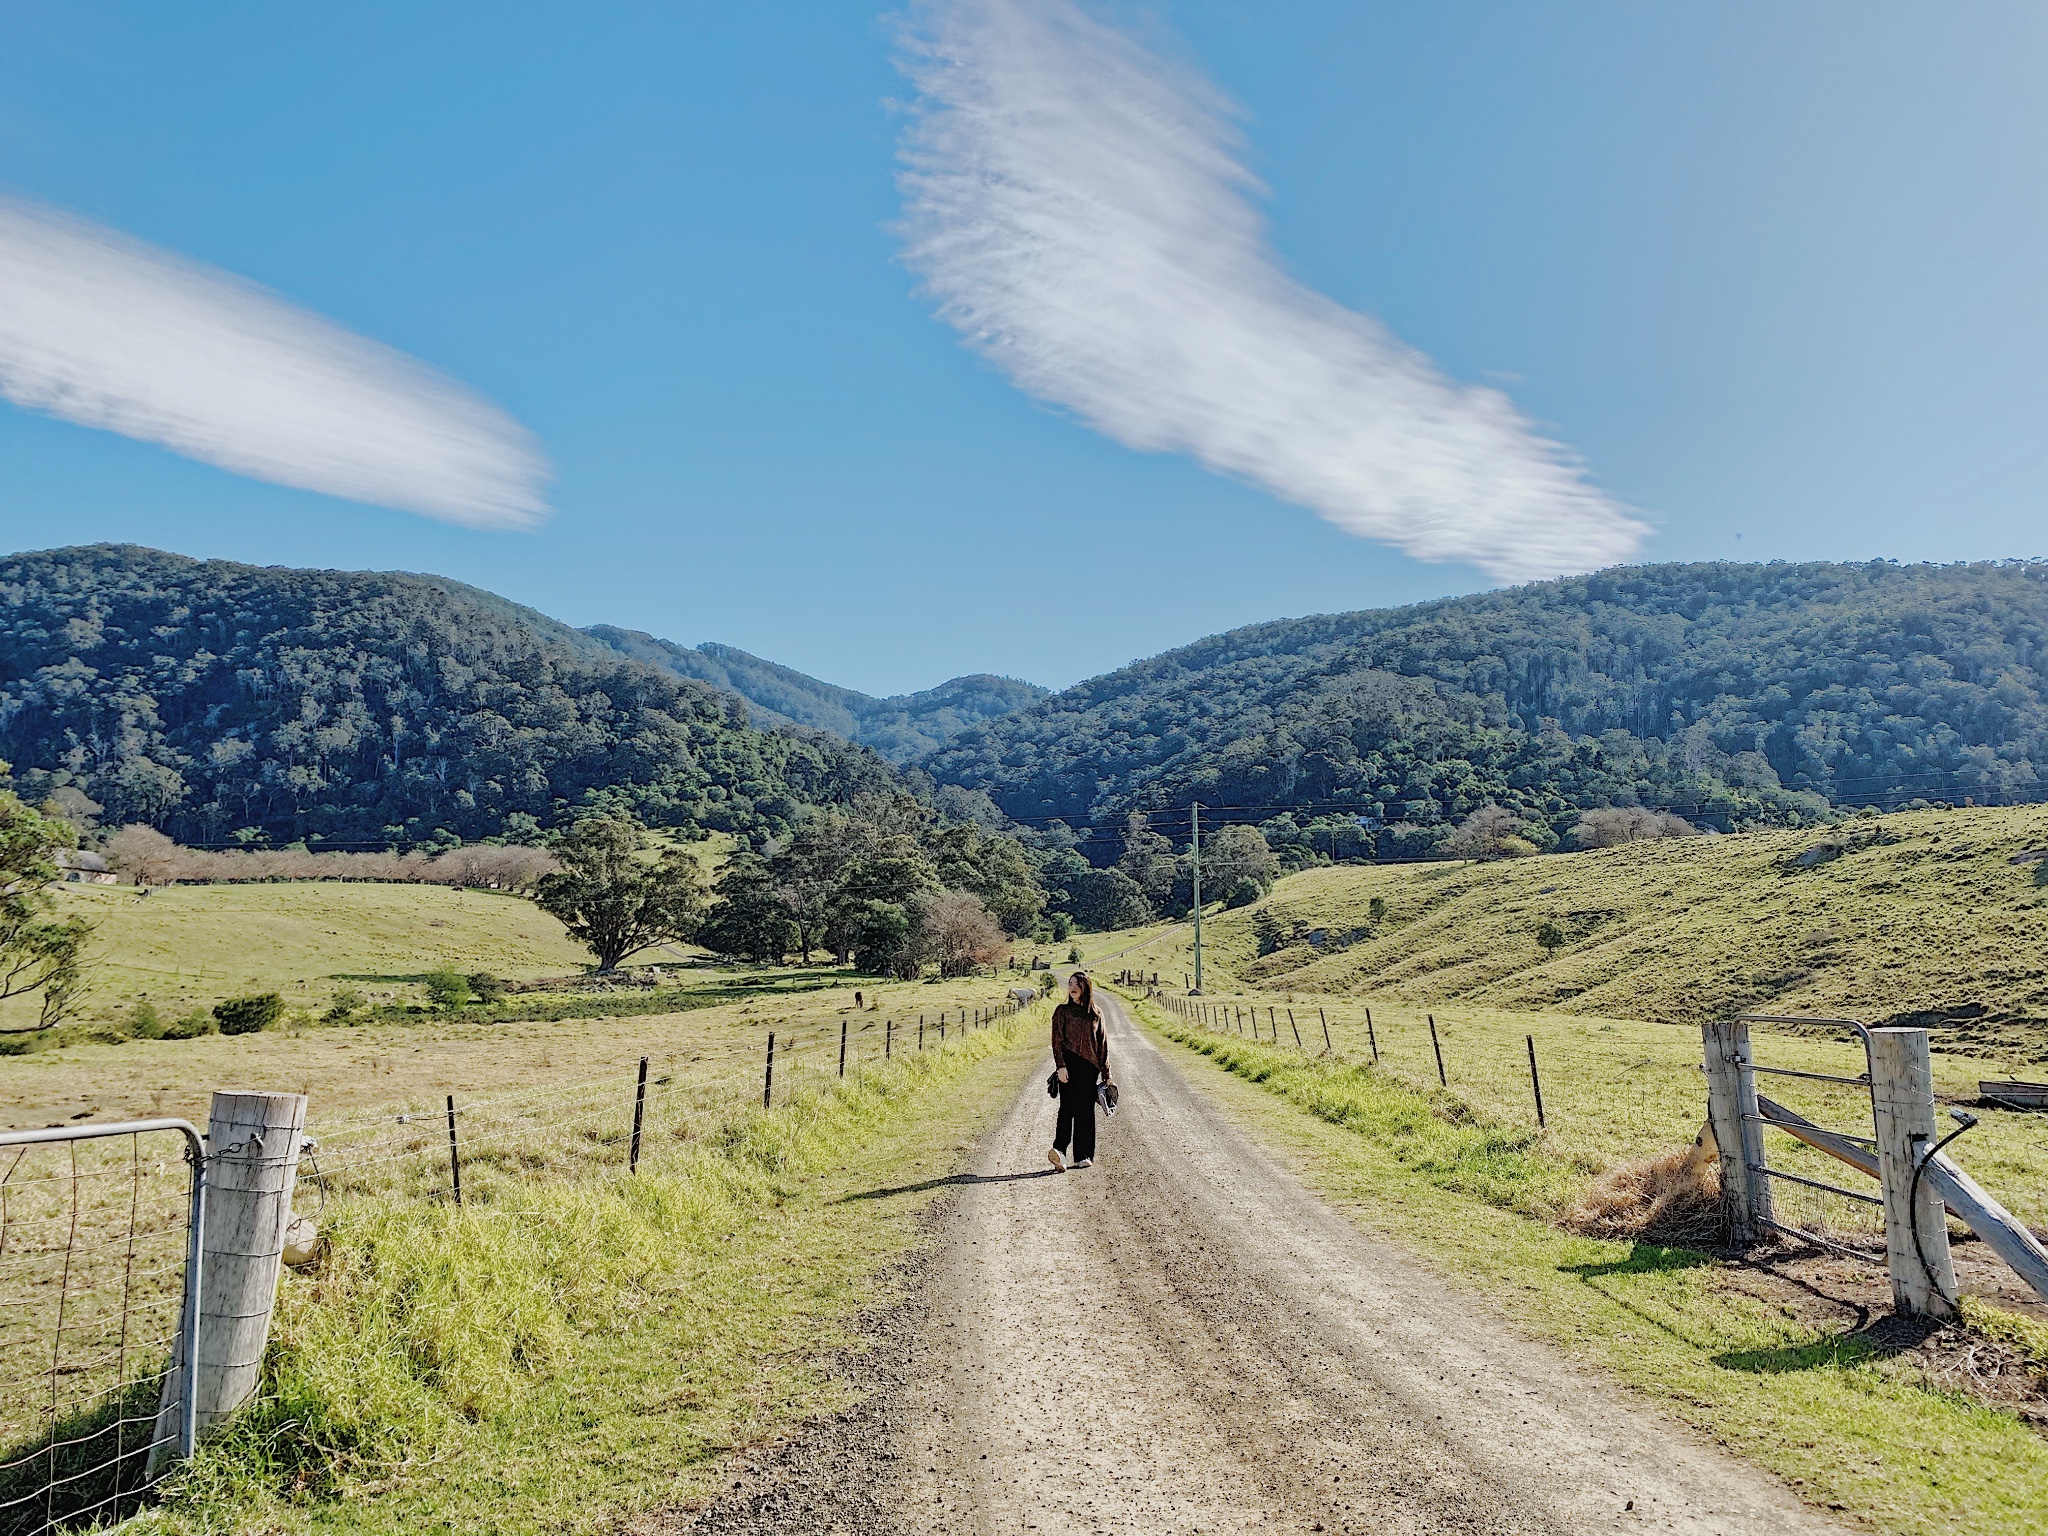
1077, 1038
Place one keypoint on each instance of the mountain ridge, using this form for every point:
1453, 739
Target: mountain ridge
901, 727
1742, 692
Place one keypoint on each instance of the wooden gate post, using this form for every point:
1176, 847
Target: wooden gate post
1915, 1226
1738, 1128
252, 1166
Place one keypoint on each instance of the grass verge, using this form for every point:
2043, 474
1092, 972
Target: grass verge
1848, 1426
573, 1352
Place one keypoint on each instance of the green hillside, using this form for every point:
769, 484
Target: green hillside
187, 946
204, 697
1740, 694
1916, 918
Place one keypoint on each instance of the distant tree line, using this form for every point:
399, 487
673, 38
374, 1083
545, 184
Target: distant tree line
882, 885
148, 857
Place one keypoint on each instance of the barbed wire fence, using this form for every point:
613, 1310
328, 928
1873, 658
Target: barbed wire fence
100, 1228
466, 1146
1502, 1071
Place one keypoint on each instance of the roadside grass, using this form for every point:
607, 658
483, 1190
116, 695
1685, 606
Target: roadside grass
1620, 1089
1915, 913
557, 1355
1448, 1181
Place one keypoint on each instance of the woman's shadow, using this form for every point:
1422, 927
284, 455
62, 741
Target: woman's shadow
949, 1179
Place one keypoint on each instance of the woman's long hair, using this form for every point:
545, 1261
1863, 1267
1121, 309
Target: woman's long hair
1087, 1004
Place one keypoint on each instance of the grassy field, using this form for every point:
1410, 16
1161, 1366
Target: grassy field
573, 1344
351, 1073
1918, 917
186, 946
1849, 1424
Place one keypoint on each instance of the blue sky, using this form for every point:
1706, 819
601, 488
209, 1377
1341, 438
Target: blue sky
1775, 272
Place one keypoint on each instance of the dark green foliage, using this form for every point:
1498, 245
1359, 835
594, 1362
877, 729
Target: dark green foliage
204, 698
1743, 694
194, 1024
144, 1023
900, 728
38, 950
447, 988
749, 920
485, 987
613, 897
1109, 898
860, 882
248, 1015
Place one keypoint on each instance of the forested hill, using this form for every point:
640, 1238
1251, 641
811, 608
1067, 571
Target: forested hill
900, 728
1737, 693
206, 696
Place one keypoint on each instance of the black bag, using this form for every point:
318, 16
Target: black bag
1052, 1084
1106, 1095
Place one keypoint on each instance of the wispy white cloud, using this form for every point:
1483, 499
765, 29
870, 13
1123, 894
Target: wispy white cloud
103, 330
1079, 209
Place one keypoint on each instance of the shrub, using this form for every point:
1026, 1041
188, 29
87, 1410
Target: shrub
143, 1022
248, 1015
194, 1024
1493, 832
447, 987
1613, 825
1376, 910
485, 987
1550, 935
345, 1002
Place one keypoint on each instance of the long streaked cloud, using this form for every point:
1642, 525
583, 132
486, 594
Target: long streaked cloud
103, 330
1079, 209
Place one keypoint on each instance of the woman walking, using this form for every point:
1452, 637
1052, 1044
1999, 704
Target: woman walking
1080, 1053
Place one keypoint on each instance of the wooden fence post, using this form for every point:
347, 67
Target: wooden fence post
1738, 1127
454, 1153
1371, 1037
1915, 1226
639, 1113
252, 1166
768, 1076
1437, 1046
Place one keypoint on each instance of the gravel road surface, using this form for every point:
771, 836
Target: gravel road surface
1182, 1338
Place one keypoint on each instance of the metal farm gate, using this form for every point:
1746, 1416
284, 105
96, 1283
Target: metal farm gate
100, 1235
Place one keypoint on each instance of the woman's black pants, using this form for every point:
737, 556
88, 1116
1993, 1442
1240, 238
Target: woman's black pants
1077, 1112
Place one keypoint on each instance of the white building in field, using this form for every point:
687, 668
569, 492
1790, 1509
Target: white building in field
81, 866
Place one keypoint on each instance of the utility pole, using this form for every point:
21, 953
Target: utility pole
1195, 809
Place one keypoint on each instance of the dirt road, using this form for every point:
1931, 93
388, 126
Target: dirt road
1184, 1339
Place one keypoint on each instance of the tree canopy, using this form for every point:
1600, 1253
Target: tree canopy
204, 698
615, 895
1734, 695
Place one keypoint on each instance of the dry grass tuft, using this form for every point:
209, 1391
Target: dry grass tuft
1674, 1198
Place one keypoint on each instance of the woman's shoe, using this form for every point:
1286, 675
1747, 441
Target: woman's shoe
1086, 1162
1056, 1160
